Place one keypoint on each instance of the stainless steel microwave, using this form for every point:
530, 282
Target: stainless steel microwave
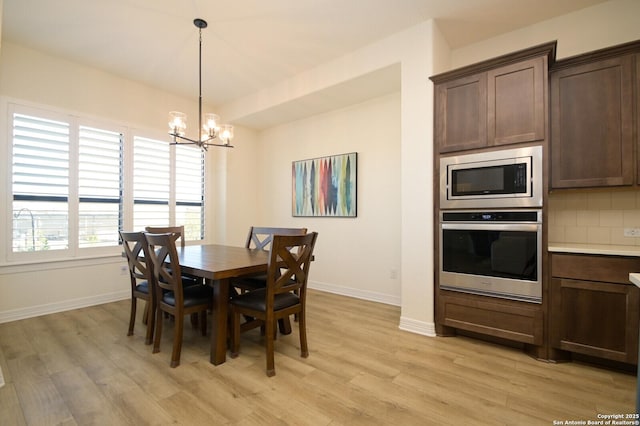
495, 179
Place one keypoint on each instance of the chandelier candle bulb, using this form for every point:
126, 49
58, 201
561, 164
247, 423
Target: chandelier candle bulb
226, 134
177, 122
210, 126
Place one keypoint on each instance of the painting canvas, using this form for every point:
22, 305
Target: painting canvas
325, 186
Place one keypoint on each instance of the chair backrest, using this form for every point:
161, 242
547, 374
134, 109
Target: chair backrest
260, 237
166, 265
289, 261
136, 249
178, 230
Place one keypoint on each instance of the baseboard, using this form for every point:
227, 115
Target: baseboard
406, 324
51, 308
418, 327
66, 305
356, 293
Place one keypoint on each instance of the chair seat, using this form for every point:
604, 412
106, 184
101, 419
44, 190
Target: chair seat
193, 295
188, 280
256, 300
143, 287
254, 282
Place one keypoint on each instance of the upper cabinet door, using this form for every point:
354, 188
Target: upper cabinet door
461, 111
516, 102
592, 124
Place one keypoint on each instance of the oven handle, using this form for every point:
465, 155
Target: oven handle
511, 226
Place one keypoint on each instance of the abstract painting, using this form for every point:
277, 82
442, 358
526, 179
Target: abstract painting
325, 186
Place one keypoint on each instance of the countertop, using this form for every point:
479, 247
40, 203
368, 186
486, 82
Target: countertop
606, 249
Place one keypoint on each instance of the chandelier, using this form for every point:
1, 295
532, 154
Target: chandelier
208, 124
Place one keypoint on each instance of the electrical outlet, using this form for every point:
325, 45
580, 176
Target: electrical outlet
124, 269
393, 273
632, 232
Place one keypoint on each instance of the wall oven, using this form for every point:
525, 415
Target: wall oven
493, 253
495, 179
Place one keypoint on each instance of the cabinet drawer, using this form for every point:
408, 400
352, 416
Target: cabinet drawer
511, 321
610, 269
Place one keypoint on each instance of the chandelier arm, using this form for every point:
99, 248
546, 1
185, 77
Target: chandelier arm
202, 144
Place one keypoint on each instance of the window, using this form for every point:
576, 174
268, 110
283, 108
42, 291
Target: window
40, 184
99, 187
151, 183
190, 191
69, 193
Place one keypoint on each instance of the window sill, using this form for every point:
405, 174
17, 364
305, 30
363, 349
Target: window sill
51, 264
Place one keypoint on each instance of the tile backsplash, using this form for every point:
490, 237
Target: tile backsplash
594, 217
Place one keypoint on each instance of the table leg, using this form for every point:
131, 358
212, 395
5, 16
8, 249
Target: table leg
284, 324
219, 319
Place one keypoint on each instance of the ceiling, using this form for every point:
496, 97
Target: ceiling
249, 44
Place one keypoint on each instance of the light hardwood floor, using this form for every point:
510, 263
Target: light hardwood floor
80, 368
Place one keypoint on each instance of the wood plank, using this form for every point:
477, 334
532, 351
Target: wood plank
79, 367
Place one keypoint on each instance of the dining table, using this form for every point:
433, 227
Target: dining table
218, 265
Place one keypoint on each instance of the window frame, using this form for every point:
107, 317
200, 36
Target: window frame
8, 108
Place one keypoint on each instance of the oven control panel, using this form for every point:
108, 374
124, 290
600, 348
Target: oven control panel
532, 216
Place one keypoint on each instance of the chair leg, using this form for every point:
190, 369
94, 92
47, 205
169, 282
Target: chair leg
203, 322
158, 331
235, 333
145, 315
151, 322
269, 347
284, 324
177, 341
304, 349
132, 317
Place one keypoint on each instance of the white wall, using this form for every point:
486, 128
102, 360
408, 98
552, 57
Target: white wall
418, 51
596, 27
232, 176
42, 80
354, 256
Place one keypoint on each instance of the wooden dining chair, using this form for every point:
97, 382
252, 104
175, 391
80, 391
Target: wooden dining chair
260, 238
285, 294
179, 231
172, 296
141, 275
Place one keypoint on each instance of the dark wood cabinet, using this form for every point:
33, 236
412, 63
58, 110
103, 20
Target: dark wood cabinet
461, 108
497, 102
501, 318
516, 102
588, 108
594, 308
593, 142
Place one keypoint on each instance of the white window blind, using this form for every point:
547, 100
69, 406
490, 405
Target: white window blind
190, 191
40, 184
99, 187
71, 193
151, 183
